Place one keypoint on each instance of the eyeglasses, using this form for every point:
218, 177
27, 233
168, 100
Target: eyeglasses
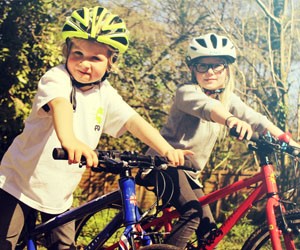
203, 67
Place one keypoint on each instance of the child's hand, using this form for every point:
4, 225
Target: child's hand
242, 128
76, 149
176, 156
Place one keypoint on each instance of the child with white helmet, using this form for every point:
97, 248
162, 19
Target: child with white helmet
200, 110
73, 106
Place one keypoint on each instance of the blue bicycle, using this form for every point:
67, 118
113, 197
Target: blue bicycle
118, 208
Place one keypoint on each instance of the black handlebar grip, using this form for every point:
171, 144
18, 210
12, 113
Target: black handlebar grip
60, 154
294, 151
233, 132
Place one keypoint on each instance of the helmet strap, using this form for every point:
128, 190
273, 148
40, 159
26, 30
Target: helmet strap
76, 84
208, 92
213, 92
79, 84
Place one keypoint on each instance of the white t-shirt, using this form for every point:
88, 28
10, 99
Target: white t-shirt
28, 171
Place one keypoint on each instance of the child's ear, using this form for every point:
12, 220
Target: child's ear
114, 58
69, 44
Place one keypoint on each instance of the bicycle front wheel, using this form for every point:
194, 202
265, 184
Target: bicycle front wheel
160, 247
89, 228
260, 239
108, 218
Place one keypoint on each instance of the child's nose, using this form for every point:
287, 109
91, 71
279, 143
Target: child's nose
85, 64
210, 71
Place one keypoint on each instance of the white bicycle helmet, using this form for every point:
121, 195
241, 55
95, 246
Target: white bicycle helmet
210, 45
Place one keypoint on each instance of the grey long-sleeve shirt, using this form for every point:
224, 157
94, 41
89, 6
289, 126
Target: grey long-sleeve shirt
189, 125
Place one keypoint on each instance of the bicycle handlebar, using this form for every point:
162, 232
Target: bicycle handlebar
62, 154
269, 144
133, 158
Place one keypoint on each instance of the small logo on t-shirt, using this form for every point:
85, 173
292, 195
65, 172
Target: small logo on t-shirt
99, 118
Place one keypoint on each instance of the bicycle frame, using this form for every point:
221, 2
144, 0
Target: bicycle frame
131, 214
130, 218
76, 213
265, 184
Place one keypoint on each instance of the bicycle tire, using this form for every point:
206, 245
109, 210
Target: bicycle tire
160, 247
88, 227
260, 239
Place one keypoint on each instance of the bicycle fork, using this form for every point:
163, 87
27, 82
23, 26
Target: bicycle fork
273, 205
131, 218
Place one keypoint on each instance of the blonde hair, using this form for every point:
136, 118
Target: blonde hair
225, 96
229, 87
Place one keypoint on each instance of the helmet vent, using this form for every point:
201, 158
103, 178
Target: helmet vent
99, 11
202, 42
120, 40
224, 42
213, 40
116, 20
68, 28
81, 13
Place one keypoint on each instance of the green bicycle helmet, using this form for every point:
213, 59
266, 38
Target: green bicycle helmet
98, 24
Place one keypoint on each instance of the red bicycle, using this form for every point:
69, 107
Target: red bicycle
279, 231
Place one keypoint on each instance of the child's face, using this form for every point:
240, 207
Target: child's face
212, 79
88, 60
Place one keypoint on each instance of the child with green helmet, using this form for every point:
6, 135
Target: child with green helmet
73, 106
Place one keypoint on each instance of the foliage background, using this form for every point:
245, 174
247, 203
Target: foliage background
266, 34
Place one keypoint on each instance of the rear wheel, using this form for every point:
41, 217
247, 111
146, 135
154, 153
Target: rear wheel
260, 239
